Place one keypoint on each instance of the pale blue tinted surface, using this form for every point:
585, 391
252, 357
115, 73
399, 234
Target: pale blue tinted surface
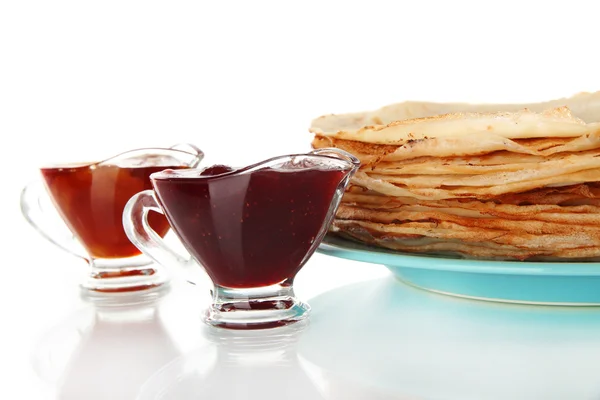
382, 339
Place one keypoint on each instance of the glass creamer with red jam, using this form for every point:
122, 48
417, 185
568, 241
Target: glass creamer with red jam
252, 228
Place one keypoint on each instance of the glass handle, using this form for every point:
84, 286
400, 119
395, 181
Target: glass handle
40, 219
141, 234
338, 153
192, 149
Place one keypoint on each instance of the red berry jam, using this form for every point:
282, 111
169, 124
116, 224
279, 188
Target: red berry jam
253, 228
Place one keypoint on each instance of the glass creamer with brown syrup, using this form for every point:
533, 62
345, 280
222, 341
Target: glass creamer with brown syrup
90, 198
252, 229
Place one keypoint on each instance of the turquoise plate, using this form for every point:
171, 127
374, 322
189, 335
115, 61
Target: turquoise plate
559, 283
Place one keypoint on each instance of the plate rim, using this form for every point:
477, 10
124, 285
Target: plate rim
346, 249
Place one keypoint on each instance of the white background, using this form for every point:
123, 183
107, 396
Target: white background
242, 80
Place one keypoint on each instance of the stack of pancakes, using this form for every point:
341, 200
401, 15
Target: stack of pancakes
519, 183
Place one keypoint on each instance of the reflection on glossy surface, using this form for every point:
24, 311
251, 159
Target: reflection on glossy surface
412, 344
259, 364
104, 353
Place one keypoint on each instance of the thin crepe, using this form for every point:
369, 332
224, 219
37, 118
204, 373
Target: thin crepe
513, 184
584, 107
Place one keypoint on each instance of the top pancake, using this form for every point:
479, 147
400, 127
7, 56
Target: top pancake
410, 122
469, 154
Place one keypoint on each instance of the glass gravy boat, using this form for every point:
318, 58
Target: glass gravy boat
252, 229
90, 198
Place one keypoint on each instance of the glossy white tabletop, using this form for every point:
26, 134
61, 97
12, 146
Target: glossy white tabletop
368, 337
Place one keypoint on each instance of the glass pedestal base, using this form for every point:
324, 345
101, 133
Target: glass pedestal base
108, 284
255, 308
